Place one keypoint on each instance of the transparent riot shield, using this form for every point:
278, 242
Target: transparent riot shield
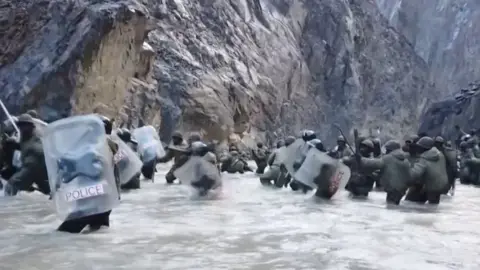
127, 161
80, 167
149, 144
197, 169
311, 167
294, 152
333, 176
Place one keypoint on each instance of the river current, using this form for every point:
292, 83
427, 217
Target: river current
246, 227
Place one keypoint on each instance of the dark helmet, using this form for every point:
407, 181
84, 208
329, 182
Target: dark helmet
368, 143
259, 144
289, 140
126, 135
317, 143
308, 135
25, 119
280, 143
425, 143
439, 140
177, 135
341, 139
199, 148
392, 145
107, 123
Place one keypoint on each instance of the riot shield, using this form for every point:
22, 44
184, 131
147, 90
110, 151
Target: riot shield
310, 168
149, 145
80, 167
197, 169
293, 153
127, 161
333, 176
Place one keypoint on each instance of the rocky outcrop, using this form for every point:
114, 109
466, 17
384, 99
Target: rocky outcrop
273, 67
463, 110
446, 34
243, 69
68, 57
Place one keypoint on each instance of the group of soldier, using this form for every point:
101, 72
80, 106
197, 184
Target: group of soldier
421, 168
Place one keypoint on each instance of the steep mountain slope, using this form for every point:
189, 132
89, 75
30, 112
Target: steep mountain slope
446, 34
232, 69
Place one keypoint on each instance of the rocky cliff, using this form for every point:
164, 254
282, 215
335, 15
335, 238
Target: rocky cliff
232, 69
446, 34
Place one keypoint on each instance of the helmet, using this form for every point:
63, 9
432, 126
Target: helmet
368, 143
199, 148
412, 139
177, 135
25, 119
439, 139
259, 144
425, 142
376, 141
341, 139
33, 113
392, 145
308, 135
317, 143
107, 124
280, 143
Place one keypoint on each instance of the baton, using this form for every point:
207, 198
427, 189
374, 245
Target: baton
10, 118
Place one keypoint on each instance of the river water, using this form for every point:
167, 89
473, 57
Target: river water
247, 227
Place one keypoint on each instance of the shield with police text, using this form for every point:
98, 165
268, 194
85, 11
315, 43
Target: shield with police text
127, 161
80, 167
149, 144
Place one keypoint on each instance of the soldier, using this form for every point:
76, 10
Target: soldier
394, 171
233, 161
341, 150
33, 169
451, 163
274, 162
176, 150
428, 172
467, 172
361, 183
260, 156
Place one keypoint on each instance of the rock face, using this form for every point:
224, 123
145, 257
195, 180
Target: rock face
245, 69
257, 66
67, 57
462, 110
446, 34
